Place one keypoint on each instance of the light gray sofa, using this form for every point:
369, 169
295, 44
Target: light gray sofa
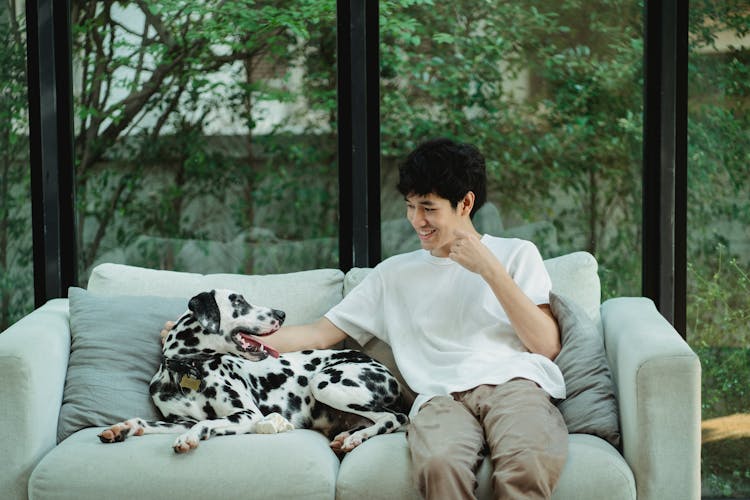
657, 379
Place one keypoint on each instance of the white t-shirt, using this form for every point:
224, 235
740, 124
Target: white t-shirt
447, 330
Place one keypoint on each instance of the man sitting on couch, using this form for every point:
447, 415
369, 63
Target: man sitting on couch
469, 323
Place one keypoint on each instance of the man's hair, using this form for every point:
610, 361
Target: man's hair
446, 168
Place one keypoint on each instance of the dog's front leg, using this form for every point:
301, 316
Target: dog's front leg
138, 427
242, 422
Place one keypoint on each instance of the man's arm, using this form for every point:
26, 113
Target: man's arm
534, 324
321, 334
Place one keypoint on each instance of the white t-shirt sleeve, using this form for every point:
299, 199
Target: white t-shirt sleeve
529, 272
360, 313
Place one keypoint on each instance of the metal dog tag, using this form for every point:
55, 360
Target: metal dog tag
189, 382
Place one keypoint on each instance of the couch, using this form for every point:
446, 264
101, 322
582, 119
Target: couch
655, 375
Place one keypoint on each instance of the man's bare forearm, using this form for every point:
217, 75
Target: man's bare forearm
321, 334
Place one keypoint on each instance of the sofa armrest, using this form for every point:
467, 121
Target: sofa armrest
33, 360
658, 385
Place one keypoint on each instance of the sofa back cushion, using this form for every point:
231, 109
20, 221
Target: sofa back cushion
114, 352
304, 296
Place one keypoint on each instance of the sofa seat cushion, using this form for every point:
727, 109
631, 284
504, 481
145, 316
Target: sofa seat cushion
304, 296
381, 467
297, 464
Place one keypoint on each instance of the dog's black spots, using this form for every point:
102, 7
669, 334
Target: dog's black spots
401, 418
371, 375
288, 372
174, 345
389, 425
237, 403
229, 433
284, 362
350, 383
239, 305
230, 392
272, 381
351, 356
294, 402
313, 364
210, 392
307, 352
307, 400
188, 338
334, 374
205, 433
317, 411
357, 407
209, 411
322, 385
266, 410
186, 350
235, 417
393, 386
302, 380
164, 392
214, 364
259, 395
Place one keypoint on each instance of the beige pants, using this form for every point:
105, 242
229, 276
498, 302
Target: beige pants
524, 432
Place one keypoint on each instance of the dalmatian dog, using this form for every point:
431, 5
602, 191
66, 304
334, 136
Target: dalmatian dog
217, 378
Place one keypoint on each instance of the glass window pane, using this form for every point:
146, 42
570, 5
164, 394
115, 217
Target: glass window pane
16, 265
205, 135
551, 93
718, 303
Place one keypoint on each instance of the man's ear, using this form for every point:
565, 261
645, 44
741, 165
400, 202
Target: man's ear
467, 203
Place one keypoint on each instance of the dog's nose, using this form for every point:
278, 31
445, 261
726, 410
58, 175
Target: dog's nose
279, 315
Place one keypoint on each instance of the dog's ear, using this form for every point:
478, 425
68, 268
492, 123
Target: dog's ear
206, 311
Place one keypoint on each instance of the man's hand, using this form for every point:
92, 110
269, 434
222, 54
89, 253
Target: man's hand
165, 331
471, 253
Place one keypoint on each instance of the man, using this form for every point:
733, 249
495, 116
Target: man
469, 323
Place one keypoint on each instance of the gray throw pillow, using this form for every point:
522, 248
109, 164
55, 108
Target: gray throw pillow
115, 350
591, 404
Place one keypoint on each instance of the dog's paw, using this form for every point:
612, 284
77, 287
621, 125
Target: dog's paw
119, 432
185, 443
273, 423
190, 439
347, 441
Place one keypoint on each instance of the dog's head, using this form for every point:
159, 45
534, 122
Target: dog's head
223, 321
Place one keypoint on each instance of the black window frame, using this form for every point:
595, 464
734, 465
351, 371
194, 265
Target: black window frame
664, 147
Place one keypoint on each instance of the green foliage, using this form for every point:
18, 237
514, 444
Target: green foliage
566, 146
148, 100
718, 296
16, 279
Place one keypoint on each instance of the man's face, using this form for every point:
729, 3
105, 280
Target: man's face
435, 220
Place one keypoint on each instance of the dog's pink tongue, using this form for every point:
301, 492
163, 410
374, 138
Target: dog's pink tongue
250, 341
